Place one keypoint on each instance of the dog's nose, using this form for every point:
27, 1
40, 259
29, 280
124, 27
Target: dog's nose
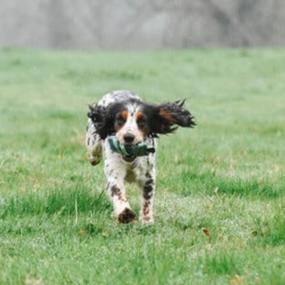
129, 138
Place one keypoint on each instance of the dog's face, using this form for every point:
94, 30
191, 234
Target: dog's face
130, 124
132, 121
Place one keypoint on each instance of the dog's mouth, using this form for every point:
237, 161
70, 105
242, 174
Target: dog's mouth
130, 151
129, 158
135, 141
131, 144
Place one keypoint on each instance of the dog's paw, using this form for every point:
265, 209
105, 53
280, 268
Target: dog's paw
127, 216
147, 220
94, 160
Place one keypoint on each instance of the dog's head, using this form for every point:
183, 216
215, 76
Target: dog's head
132, 121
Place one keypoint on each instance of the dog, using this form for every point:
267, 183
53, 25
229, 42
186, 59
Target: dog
124, 115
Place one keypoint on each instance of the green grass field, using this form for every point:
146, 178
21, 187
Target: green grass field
220, 196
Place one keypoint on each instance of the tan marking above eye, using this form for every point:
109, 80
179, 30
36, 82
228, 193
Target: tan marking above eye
139, 116
124, 115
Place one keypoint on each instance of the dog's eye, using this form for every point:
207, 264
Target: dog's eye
141, 123
120, 121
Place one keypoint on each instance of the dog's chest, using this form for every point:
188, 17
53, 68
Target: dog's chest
136, 171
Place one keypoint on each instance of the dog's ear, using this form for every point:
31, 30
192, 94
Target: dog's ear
96, 113
101, 120
167, 117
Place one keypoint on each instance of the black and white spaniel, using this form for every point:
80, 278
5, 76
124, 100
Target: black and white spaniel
124, 115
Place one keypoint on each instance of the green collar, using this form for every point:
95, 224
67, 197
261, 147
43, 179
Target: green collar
129, 151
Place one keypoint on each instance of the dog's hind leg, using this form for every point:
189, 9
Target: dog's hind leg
93, 144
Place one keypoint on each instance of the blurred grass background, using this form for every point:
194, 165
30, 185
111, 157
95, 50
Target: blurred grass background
220, 191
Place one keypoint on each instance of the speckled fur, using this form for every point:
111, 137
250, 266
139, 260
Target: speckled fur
162, 119
118, 171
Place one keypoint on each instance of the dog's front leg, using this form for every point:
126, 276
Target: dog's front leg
115, 173
122, 209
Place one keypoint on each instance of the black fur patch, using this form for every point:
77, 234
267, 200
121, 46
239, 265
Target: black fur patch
126, 216
148, 188
103, 118
115, 191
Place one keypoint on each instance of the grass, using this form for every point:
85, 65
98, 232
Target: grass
221, 187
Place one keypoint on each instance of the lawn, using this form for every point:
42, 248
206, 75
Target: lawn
220, 195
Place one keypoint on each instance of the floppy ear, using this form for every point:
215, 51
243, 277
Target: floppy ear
101, 119
168, 116
96, 113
